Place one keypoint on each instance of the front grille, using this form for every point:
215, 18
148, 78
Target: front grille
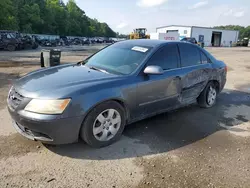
14, 98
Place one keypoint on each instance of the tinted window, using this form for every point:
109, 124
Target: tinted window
204, 58
190, 55
166, 57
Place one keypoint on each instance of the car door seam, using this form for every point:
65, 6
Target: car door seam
158, 100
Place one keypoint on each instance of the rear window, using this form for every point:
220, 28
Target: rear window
211, 58
204, 58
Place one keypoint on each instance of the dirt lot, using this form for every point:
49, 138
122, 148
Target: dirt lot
190, 147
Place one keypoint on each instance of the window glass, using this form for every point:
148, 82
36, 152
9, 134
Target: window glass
118, 58
190, 55
185, 31
204, 58
9, 36
166, 57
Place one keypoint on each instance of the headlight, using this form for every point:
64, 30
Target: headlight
47, 106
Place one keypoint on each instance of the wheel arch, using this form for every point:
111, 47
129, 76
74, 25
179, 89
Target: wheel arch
117, 100
217, 84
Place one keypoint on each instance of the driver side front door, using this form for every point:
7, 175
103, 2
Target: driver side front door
157, 93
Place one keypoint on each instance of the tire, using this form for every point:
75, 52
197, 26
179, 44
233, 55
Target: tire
208, 96
34, 46
11, 47
102, 135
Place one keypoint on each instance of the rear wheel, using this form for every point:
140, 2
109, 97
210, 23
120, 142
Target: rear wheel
104, 124
208, 96
11, 47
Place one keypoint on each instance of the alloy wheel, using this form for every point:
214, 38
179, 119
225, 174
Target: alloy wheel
107, 124
211, 96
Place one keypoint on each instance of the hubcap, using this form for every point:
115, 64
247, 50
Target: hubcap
211, 96
106, 125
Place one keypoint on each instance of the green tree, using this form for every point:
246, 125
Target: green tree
246, 32
8, 17
56, 17
50, 17
29, 18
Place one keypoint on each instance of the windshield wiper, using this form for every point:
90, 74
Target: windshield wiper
100, 70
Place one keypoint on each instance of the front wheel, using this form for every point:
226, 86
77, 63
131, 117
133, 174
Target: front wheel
208, 96
104, 124
11, 47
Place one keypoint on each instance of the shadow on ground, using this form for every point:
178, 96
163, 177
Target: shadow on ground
168, 131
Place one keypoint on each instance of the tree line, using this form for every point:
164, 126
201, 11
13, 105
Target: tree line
50, 17
244, 31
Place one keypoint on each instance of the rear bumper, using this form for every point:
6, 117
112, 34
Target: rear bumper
51, 131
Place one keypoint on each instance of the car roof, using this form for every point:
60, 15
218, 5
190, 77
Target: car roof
145, 42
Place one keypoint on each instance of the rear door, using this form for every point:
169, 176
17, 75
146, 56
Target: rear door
156, 93
196, 71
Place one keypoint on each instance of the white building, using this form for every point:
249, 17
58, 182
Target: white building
210, 36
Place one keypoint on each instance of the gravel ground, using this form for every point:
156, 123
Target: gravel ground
190, 147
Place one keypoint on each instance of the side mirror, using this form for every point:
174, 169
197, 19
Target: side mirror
153, 69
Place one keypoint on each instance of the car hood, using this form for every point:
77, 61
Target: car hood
60, 76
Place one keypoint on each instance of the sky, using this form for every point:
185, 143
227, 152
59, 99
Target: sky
125, 15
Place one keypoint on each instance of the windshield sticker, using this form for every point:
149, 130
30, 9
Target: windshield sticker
140, 49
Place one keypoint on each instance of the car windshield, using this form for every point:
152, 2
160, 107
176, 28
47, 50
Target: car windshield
118, 59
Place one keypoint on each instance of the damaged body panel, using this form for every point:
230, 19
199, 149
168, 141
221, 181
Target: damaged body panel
179, 85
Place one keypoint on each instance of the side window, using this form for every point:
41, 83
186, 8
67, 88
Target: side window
166, 57
204, 58
8, 36
190, 55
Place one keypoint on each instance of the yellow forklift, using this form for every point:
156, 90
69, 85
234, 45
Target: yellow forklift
139, 33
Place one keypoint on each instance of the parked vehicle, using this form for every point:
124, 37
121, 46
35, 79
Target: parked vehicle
28, 42
125, 82
64, 41
13, 40
243, 42
139, 33
9, 42
76, 41
86, 42
190, 39
48, 43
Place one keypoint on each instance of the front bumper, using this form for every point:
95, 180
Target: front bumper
47, 129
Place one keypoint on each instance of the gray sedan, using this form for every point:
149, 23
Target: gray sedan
123, 83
